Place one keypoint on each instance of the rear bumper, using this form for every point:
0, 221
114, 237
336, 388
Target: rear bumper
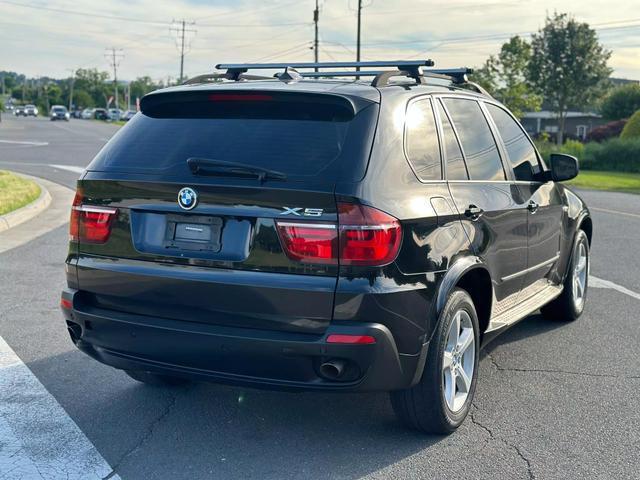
256, 358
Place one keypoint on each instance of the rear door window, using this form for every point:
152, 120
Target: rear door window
522, 154
480, 149
423, 146
302, 136
456, 169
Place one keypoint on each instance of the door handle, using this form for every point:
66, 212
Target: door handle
533, 206
473, 212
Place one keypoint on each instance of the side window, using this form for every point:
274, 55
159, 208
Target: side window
423, 146
480, 150
455, 162
522, 154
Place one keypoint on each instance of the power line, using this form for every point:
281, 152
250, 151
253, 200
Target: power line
114, 56
84, 14
139, 20
181, 31
288, 51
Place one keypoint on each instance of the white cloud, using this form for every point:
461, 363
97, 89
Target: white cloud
46, 41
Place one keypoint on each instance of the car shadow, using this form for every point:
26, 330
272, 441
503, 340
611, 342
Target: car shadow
531, 326
216, 431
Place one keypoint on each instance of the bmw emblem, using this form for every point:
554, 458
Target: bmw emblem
187, 198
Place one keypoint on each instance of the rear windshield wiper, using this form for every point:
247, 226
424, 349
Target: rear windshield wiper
208, 166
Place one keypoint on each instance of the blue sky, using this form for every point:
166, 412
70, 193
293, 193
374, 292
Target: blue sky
54, 36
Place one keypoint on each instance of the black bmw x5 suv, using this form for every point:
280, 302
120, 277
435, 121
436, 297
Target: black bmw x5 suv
309, 233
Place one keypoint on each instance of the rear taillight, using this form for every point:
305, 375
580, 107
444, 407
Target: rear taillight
310, 242
363, 236
89, 223
367, 235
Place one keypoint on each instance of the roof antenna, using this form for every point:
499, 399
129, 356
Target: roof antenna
289, 75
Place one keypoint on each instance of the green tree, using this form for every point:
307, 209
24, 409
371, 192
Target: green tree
505, 76
621, 102
82, 99
141, 86
568, 66
632, 127
487, 75
94, 82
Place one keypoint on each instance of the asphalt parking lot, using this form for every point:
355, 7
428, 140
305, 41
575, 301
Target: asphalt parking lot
553, 400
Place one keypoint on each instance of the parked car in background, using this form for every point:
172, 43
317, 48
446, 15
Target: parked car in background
19, 111
101, 114
127, 115
114, 114
77, 113
59, 112
30, 111
87, 113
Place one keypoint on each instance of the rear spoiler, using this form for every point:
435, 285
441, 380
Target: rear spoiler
175, 102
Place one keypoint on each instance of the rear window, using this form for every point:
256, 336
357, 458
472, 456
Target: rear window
301, 135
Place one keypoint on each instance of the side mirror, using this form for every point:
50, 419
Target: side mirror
563, 167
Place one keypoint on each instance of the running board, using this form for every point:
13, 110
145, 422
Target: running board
524, 308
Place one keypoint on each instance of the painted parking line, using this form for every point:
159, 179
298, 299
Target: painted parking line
70, 168
596, 282
38, 440
616, 212
16, 142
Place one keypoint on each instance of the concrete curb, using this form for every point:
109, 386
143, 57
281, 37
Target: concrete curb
23, 214
56, 216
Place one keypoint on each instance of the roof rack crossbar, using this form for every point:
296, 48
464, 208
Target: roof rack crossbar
400, 64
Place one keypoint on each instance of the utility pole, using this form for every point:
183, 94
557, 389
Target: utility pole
181, 31
114, 56
73, 81
316, 17
358, 41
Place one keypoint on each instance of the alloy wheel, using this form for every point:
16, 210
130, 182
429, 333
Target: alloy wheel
580, 271
458, 361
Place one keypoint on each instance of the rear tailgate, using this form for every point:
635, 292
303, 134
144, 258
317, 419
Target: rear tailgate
221, 262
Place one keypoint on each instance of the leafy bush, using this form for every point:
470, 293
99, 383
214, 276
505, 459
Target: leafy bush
621, 102
614, 155
632, 128
570, 147
606, 131
611, 155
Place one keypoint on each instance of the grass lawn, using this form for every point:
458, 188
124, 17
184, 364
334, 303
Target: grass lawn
611, 181
16, 192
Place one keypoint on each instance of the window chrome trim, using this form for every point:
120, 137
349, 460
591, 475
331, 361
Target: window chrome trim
421, 98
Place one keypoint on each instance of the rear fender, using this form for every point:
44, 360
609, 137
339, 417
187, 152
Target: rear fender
452, 278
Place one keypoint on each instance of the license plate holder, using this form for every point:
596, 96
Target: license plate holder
193, 233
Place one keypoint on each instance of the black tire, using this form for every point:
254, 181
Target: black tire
565, 308
156, 379
423, 407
